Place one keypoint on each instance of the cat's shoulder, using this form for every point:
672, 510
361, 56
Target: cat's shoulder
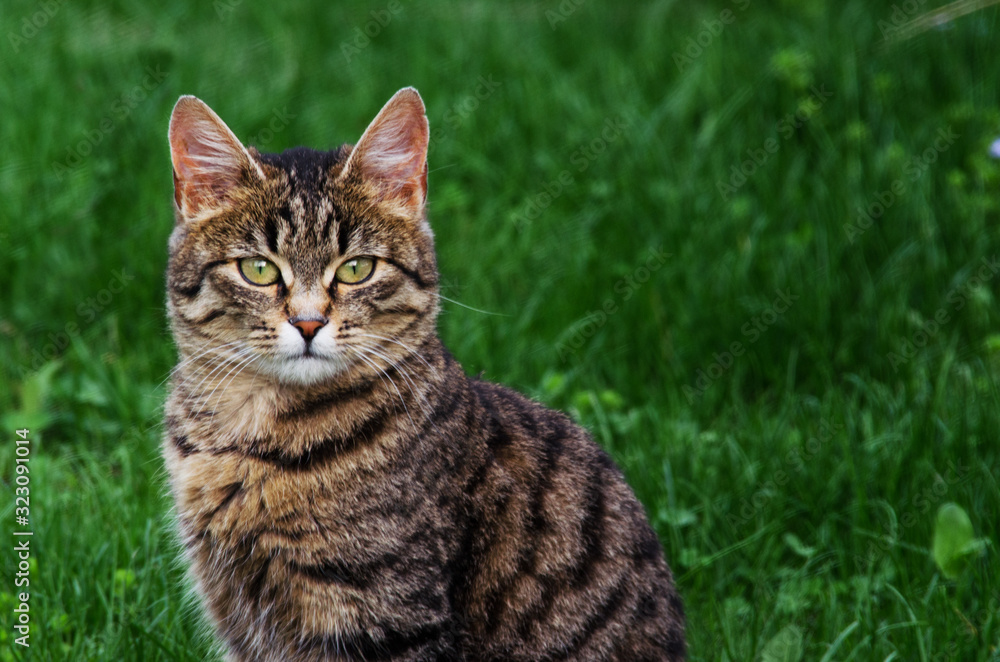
514, 420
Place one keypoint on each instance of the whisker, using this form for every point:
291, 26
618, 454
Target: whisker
401, 344
485, 312
358, 351
201, 369
234, 371
415, 391
211, 348
228, 360
245, 400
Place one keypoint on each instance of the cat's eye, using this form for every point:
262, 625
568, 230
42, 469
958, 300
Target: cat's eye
259, 271
356, 270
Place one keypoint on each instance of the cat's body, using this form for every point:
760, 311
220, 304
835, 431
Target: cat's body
343, 490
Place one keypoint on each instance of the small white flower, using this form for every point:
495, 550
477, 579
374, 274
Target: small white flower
995, 149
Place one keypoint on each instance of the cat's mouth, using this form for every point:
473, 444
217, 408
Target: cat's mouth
305, 368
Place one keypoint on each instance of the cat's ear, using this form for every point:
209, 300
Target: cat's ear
392, 152
209, 160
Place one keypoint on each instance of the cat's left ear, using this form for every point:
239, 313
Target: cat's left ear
210, 162
392, 152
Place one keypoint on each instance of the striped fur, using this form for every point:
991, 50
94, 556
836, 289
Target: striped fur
372, 502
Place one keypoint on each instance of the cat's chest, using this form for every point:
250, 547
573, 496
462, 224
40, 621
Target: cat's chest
228, 497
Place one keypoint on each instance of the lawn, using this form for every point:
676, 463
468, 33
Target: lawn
753, 246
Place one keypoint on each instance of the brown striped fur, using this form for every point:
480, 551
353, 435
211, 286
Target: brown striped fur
369, 501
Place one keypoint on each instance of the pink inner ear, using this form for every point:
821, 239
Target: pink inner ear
208, 159
393, 150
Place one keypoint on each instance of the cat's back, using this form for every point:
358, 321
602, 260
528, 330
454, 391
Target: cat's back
563, 562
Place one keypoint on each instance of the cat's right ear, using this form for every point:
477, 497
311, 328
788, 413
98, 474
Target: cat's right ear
392, 152
209, 160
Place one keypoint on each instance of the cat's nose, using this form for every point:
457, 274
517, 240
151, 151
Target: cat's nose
308, 326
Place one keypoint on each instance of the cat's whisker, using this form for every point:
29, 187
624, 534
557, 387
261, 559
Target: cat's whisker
227, 361
411, 385
183, 364
397, 363
478, 310
381, 373
209, 348
372, 352
204, 373
211, 363
358, 350
246, 399
385, 376
197, 392
234, 371
249, 394
401, 344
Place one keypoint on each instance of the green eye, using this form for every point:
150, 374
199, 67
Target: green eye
259, 271
355, 270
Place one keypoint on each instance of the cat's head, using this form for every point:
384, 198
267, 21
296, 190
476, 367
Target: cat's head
300, 266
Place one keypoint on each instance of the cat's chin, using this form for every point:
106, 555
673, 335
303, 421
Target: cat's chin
304, 370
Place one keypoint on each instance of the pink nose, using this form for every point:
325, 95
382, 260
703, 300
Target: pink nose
308, 327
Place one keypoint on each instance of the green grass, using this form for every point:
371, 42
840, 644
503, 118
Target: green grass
794, 478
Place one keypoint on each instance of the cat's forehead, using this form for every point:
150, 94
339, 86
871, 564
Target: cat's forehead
308, 217
307, 170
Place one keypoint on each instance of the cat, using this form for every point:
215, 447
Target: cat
343, 490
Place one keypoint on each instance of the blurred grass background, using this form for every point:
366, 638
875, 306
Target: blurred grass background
793, 478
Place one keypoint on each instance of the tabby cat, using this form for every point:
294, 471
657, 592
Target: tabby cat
343, 490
